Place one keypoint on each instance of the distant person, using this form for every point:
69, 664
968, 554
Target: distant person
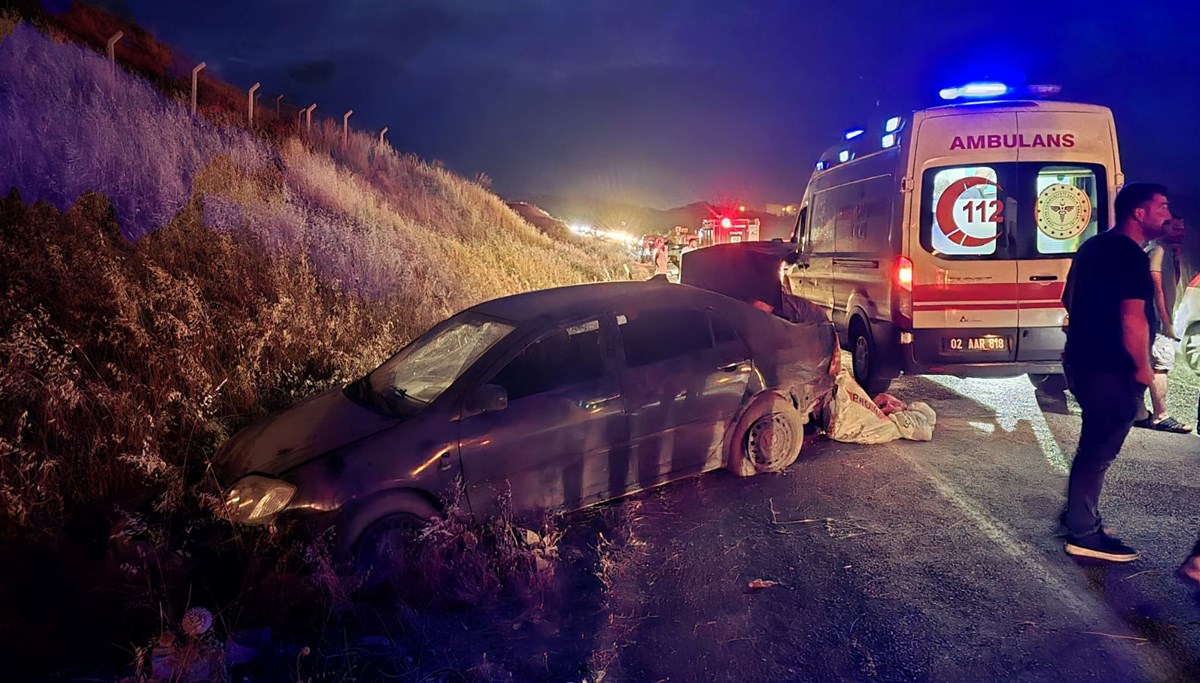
692, 245
660, 256
1109, 298
1164, 270
1189, 571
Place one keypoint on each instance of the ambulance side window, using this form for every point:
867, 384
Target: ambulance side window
801, 231
820, 229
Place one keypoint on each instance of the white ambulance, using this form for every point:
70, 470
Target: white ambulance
940, 242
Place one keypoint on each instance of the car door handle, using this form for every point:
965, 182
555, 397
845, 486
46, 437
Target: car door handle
734, 367
589, 404
1043, 278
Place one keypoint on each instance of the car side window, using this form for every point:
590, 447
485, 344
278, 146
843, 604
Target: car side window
566, 356
654, 336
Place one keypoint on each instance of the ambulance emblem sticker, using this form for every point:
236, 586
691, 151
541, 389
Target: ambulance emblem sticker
1063, 211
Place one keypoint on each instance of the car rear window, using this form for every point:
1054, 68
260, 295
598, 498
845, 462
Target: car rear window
654, 336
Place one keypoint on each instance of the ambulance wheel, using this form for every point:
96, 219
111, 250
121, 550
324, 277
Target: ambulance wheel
865, 361
1053, 384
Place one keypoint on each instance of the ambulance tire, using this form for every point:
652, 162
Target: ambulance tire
1052, 384
865, 365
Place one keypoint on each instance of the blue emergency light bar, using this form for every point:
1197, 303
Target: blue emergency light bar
975, 90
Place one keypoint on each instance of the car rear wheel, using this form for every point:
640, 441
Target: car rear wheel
865, 361
768, 437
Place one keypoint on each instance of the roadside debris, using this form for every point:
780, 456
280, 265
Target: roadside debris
852, 416
759, 584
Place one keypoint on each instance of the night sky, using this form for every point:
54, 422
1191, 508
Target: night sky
663, 102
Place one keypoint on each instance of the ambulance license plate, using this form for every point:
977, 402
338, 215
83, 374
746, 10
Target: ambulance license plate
988, 343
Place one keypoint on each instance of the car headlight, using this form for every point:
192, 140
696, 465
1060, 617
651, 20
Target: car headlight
255, 499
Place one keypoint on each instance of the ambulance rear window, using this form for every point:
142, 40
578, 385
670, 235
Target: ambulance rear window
966, 211
1025, 210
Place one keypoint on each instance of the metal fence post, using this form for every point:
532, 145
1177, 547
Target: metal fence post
112, 48
278, 99
346, 128
308, 117
250, 103
195, 79
381, 134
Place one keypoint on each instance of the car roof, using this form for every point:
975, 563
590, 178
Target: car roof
582, 300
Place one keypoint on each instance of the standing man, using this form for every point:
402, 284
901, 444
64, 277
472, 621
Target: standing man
1164, 271
660, 256
1109, 299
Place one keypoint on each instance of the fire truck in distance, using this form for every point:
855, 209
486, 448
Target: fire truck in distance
728, 230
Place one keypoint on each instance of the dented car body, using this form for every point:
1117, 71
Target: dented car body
557, 399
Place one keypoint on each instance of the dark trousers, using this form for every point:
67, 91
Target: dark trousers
1110, 403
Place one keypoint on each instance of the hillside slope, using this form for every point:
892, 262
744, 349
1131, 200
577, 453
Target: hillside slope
168, 280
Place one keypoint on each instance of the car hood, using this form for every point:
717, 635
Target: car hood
286, 439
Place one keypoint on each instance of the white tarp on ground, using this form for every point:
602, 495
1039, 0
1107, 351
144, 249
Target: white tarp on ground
852, 416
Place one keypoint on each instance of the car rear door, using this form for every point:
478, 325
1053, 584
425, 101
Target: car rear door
684, 376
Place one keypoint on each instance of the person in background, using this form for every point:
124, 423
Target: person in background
1109, 298
692, 245
660, 256
1163, 254
1189, 571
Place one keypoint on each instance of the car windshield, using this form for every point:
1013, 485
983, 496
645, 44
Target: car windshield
428, 366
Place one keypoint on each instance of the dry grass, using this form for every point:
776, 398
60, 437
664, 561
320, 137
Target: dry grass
206, 279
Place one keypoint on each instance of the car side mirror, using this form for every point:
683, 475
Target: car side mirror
488, 398
792, 257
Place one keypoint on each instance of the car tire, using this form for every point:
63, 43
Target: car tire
767, 438
380, 552
864, 360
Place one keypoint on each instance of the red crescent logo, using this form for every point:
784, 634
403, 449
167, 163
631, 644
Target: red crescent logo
945, 212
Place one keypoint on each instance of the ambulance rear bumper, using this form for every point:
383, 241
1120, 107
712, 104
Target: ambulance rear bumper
929, 353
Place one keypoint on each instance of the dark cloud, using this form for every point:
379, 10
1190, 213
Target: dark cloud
314, 73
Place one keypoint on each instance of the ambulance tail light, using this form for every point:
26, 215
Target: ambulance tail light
904, 273
902, 277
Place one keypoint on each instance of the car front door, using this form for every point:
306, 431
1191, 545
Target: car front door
550, 446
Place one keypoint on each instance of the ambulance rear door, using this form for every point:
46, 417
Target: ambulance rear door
1066, 165
964, 299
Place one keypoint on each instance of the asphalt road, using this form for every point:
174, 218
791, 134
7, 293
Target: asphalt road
916, 561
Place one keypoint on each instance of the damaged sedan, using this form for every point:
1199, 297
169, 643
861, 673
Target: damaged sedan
553, 399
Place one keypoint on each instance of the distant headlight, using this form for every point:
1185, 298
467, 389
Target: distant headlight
256, 499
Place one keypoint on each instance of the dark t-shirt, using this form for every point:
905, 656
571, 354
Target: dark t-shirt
1107, 269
